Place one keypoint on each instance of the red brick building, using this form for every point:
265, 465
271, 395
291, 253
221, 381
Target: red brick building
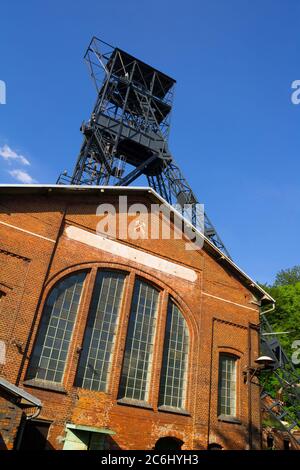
126, 343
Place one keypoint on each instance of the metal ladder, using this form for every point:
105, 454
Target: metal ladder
278, 412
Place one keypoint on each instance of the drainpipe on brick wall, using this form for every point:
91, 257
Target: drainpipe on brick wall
268, 311
59, 232
250, 434
250, 437
251, 327
264, 313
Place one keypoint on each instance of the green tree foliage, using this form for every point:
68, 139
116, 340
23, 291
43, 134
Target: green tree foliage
285, 318
288, 277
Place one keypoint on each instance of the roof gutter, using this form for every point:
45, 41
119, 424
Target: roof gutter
27, 398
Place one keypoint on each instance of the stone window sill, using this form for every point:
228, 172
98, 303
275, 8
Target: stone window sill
229, 419
170, 409
45, 385
136, 403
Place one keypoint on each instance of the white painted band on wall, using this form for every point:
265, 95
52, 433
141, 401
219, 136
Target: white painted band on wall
229, 301
138, 256
27, 231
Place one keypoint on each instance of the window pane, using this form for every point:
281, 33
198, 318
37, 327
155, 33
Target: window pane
227, 385
175, 359
96, 355
139, 343
50, 352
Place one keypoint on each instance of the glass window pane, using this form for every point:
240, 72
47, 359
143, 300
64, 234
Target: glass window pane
96, 355
175, 360
227, 385
56, 329
139, 343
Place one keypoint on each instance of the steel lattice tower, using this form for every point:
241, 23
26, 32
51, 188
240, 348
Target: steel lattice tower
127, 134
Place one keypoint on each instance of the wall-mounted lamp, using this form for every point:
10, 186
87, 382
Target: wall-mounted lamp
263, 363
266, 362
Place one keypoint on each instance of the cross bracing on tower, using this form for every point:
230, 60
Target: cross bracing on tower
127, 134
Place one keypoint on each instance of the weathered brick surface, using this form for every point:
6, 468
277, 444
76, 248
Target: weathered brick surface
31, 265
10, 417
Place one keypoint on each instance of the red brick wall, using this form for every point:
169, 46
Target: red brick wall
10, 418
32, 266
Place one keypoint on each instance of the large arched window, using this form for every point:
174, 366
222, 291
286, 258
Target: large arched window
50, 352
175, 360
96, 355
136, 369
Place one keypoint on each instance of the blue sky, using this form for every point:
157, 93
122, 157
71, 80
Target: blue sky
235, 132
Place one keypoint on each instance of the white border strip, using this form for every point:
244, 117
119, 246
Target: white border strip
27, 231
124, 251
229, 301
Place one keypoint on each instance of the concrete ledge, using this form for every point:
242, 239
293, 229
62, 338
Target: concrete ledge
45, 385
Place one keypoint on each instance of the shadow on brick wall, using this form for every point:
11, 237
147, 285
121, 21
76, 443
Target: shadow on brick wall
2, 443
237, 437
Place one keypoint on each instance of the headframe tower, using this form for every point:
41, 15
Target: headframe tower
127, 134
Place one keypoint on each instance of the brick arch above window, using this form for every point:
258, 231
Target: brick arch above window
153, 279
174, 433
231, 351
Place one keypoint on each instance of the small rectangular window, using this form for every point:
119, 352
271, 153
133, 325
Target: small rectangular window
227, 385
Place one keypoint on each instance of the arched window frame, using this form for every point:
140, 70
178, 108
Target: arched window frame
186, 389
148, 395
118, 323
46, 295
